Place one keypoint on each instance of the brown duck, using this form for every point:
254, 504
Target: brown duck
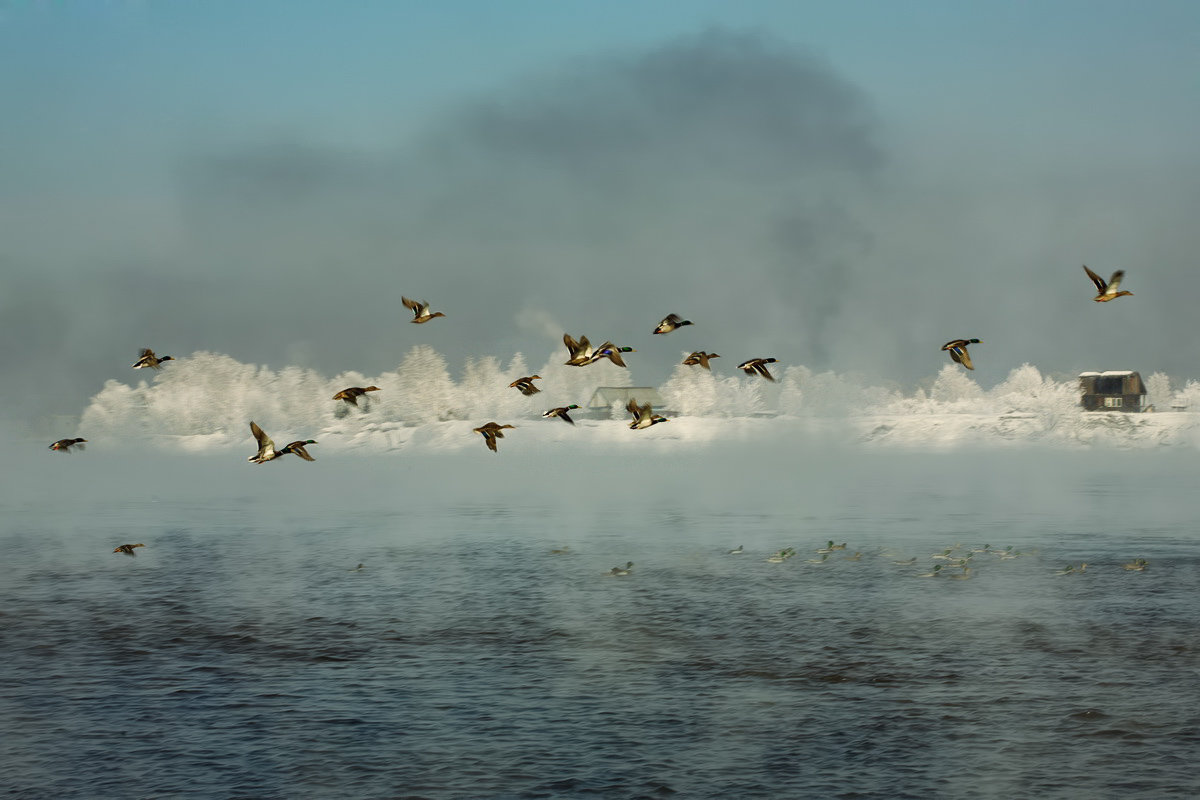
1107, 291
352, 394
700, 357
490, 432
525, 385
65, 445
420, 310
757, 366
127, 549
561, 413
146, 358
958, 351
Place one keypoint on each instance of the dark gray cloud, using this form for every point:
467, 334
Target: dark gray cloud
712, 176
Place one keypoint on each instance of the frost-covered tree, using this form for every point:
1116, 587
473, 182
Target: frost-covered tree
954, 388
691, 392
421, 389
1158, 391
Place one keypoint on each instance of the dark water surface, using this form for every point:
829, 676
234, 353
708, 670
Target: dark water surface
240, 655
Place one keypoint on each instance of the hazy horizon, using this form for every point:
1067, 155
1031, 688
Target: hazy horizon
844, 189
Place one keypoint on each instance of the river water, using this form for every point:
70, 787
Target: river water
241, 653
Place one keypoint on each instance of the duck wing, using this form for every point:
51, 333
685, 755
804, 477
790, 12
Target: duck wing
1115, 282
265, 445
298, 449
1101, 286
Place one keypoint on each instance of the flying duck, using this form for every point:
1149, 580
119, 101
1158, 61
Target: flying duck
561, 413
580, 351
643, 416
490, 432
65, 445
958, 351
525, 385
297, 447
611, 352
420, 310
699, 357
352, 394
1107, 291
757, 366
127, 549
671, 322
146, 358
266, 447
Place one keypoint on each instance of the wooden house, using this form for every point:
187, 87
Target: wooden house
1115, 390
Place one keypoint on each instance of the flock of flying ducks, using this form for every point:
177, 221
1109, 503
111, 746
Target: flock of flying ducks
580, 354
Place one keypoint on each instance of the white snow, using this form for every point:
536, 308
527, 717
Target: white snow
206, 401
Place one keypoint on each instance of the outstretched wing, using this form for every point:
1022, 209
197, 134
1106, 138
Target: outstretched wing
260, 436
1114, 282
1101, 286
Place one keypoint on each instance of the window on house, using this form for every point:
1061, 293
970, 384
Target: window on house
1114, 402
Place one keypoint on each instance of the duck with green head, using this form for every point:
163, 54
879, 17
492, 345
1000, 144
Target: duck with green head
561, 413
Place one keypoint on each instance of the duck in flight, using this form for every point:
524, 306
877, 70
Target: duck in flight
127, 549
352, 394
65, 445
420, 310
643, 416
580, 351
490, 432
146, 358
611, 352
561, 413
671, 322
525, 385
958, 351
1107, 291
700, 357
757, 366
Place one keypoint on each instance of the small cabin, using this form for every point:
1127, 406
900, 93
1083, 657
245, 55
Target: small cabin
604, 397
1115, 390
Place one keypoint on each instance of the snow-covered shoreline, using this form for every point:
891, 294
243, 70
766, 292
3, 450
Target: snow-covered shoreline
205, 402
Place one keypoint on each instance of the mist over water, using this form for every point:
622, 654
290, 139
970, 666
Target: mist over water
240, 652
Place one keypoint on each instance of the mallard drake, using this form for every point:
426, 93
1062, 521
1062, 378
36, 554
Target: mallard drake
611, 352
757, 366
490, 432
561, 413
1137, 565
1107, 291
643, 416
146, 358
830, 547
737, 551
958, 351
671, 322
580, 351
625, 570
65, 445
127, 549
420, 310
525, 385
352, 394
297, 447
699, 357
780, 556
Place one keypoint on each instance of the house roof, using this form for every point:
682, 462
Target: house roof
605, 396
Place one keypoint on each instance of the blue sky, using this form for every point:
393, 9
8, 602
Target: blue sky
1031, 136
